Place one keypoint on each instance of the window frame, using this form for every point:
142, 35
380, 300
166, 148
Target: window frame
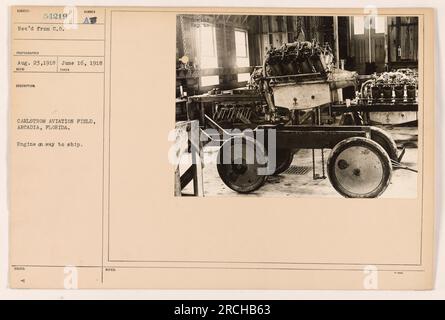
384, 22
246, 44
241, 75
362, 23
200, 47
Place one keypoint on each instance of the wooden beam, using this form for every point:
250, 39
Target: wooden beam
337, 47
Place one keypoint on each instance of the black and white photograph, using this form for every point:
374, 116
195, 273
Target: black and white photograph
302, 158
297, 106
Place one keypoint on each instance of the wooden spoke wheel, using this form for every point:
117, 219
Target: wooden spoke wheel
283, 160
359, 168
239, 162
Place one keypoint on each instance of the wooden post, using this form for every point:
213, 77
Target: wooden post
370, 39
197, 155
195, 171
337, 54
177, 182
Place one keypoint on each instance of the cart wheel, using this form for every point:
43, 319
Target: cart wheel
382, 138
238, 164
284, 159
359, 168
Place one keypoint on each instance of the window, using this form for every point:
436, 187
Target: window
380, 24
241, 48
208, 58
359, 25
243, 77
209, 81
206, 39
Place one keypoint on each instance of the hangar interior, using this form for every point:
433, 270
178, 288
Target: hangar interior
216, 54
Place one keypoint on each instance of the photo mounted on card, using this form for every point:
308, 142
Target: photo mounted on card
222, 148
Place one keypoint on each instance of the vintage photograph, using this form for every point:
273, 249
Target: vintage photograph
301, 153
296, 106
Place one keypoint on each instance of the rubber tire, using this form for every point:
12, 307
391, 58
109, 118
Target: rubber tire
284, 160
223, 169
370, 144
382, 138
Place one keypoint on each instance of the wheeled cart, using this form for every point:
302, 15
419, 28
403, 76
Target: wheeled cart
360, 163
359, 166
